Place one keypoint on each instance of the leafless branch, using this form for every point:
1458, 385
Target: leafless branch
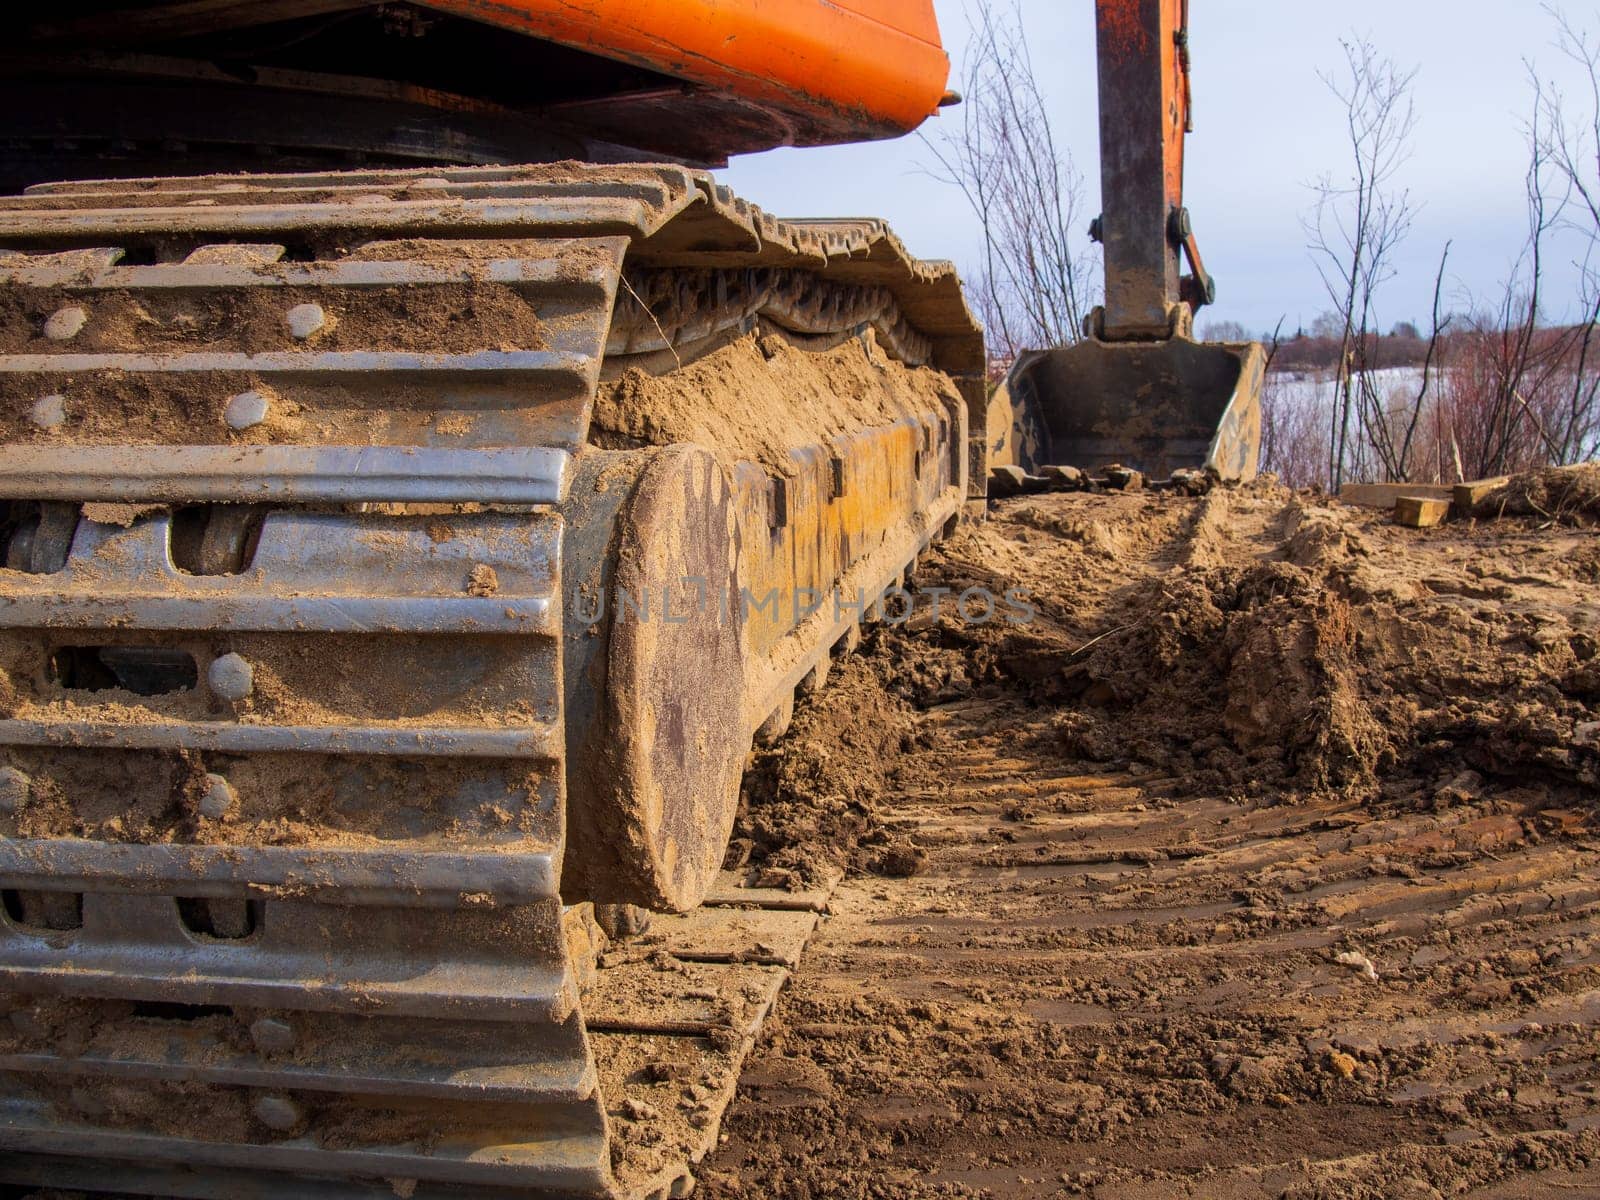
1038, 277
1356, 225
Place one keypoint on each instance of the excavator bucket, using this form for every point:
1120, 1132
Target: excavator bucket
1158, 407
1139, 391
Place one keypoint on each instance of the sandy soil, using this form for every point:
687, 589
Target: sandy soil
758, 398
1262, 864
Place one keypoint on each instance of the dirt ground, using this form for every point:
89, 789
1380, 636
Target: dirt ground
1261, 864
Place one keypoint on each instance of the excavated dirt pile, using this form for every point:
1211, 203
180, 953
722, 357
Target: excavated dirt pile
1284, 646
758, 397
1260, 863
1339, 663
815, 804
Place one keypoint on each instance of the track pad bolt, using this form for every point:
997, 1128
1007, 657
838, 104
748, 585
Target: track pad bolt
30, 1023
14, 789
272, 1036
245, 411
49, 412
65, 323
219, 798
306, 320
278, 1113
231, 678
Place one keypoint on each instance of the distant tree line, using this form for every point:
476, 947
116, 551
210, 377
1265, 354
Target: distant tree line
1318, 349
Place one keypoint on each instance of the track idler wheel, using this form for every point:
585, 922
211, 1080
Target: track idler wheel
655, 781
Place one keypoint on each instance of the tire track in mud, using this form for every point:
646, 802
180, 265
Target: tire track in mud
1107, 981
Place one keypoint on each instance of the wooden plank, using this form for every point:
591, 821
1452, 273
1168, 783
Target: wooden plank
775, 938
1384, 495
1468, 496
1421, 512
742, 889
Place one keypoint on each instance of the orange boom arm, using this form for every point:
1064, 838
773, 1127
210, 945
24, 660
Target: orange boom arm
831, 70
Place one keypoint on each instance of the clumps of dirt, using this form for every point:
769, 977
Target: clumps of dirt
123, 516
1249, 670
812, 805
1253, 643
758, 398
159, 797
1273, 644
482, 581
184, 1110
435, 252
1246, 875
116, 406
122, 407
1570, 495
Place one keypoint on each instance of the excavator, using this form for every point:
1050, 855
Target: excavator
403, 435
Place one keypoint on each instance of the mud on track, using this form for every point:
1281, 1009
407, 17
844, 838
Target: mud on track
1104, 869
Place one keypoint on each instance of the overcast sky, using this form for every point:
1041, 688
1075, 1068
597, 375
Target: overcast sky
1266, 127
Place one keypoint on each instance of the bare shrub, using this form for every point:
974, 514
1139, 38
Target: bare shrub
1358, 222
1039, 276
1294, 430
1521, 393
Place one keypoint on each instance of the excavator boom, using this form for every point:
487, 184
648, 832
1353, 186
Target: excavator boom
1144, 115
1138, 391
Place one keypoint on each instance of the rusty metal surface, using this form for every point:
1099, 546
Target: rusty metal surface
307, 571
848, 535
1157, 407
422, 876
441, 715
288, 474
1143, 116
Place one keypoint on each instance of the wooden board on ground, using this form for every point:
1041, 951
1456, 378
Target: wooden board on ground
1421, 512
1465, 496
1469, 495
743, 888
1384, 495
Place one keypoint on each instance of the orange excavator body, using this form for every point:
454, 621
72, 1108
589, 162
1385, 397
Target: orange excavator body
144, 89
862, 69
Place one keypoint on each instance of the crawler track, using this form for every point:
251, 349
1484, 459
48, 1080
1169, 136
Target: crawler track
309, 785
